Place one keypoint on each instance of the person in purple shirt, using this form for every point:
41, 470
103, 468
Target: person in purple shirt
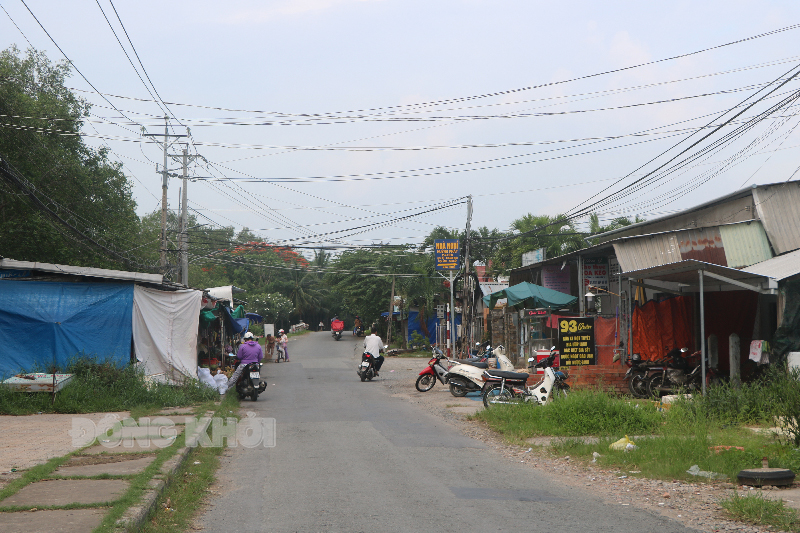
249, 352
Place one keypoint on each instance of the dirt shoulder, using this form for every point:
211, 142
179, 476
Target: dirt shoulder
693, 504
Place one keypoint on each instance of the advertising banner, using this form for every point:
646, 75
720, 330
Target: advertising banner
447, 254
556, 278
576, 341
595, 272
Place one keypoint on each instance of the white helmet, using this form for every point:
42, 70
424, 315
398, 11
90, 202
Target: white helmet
248, 335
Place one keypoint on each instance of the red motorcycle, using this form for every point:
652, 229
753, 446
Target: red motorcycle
433, 372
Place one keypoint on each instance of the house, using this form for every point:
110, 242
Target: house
706, 278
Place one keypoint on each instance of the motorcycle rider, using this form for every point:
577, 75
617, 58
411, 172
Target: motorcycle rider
249, 352
356, 324
374, 346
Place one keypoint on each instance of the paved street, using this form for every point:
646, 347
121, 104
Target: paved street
350, 457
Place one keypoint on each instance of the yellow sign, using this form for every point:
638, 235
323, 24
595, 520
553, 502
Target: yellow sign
576, 341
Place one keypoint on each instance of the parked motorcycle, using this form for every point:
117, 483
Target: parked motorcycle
638, 374
433, 372
468, 376
504, 387
250, 383
679, 376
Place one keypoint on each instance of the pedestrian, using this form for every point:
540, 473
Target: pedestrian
321, 326
284, 340
270, 346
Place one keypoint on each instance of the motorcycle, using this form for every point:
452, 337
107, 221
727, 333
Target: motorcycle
281, 355
676, 375
638, 374
433, 372
467, 377
359, 331
249, 383
504, 387
366, 370
337, 326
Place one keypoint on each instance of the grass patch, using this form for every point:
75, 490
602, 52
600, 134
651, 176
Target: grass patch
189, 487
581, 413
100, 387
756, 509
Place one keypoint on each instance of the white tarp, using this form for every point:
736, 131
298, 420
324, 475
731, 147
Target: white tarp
165, 331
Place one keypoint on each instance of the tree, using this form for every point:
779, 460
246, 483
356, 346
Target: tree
557, 238
42, 141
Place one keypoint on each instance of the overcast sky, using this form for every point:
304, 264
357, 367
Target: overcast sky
251, 79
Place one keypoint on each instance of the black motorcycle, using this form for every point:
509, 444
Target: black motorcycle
678, 375
250, 383
359, 331
639, 373
366, 370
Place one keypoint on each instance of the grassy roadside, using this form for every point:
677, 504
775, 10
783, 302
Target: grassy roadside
184, 497
712, 432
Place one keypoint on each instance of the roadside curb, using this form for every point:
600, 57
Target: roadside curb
136, 515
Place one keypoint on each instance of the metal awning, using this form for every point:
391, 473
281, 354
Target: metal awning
780, 267
686, 272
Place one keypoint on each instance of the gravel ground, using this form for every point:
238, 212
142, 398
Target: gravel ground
693, 504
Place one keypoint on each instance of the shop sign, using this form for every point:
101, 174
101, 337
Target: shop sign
556, 278
15, 274
534, 312
576, 341
595, 272
533, 257
446, 254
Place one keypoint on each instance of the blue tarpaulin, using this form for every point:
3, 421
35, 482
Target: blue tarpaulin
46, 323
234, 325
431, 322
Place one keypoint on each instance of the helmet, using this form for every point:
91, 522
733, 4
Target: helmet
280, 331
248, 335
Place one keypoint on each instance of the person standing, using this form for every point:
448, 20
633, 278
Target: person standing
270, 346
284, 340
321, 326
249, 352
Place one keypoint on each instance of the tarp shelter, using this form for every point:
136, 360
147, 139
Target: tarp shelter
165, 331
234, 325
254, 318
45, 323
531, 295
430, 324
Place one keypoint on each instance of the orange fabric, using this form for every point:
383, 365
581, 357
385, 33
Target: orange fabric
661, 326
605, 340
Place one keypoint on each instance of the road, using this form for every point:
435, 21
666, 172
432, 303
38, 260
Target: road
350, 457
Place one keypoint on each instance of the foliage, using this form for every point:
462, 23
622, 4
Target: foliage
420, 341
44, 145
757, 509
99, 387
556, 237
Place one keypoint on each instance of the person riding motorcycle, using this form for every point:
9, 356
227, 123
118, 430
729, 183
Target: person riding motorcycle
249, 352
373, 345
283, 339
356, 324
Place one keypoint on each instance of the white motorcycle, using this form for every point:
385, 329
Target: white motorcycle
468, 376
511, 387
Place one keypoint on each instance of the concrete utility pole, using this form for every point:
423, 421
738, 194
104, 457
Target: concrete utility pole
391, 316
164, 175
466, 306
184, 234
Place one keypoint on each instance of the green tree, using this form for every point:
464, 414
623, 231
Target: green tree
41, 140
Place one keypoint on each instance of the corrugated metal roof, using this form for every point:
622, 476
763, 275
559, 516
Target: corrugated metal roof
778, 207
780, 267
703, 244
686, 272
82, 271
647, 251
745, 244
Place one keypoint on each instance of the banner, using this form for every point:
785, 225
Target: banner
447, 254
576, 341
595, 272
556, 278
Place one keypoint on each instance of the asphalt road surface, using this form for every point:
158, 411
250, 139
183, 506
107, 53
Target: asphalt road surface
350, 457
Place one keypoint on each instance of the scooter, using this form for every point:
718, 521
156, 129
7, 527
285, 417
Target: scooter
434, 371
467, 377
504, 387
250, 383
639, 373
366, 370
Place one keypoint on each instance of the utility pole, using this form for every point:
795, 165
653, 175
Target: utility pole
183, 235
164, 175
466, 306
391, 315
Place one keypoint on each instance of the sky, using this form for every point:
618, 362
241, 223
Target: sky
410, 106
